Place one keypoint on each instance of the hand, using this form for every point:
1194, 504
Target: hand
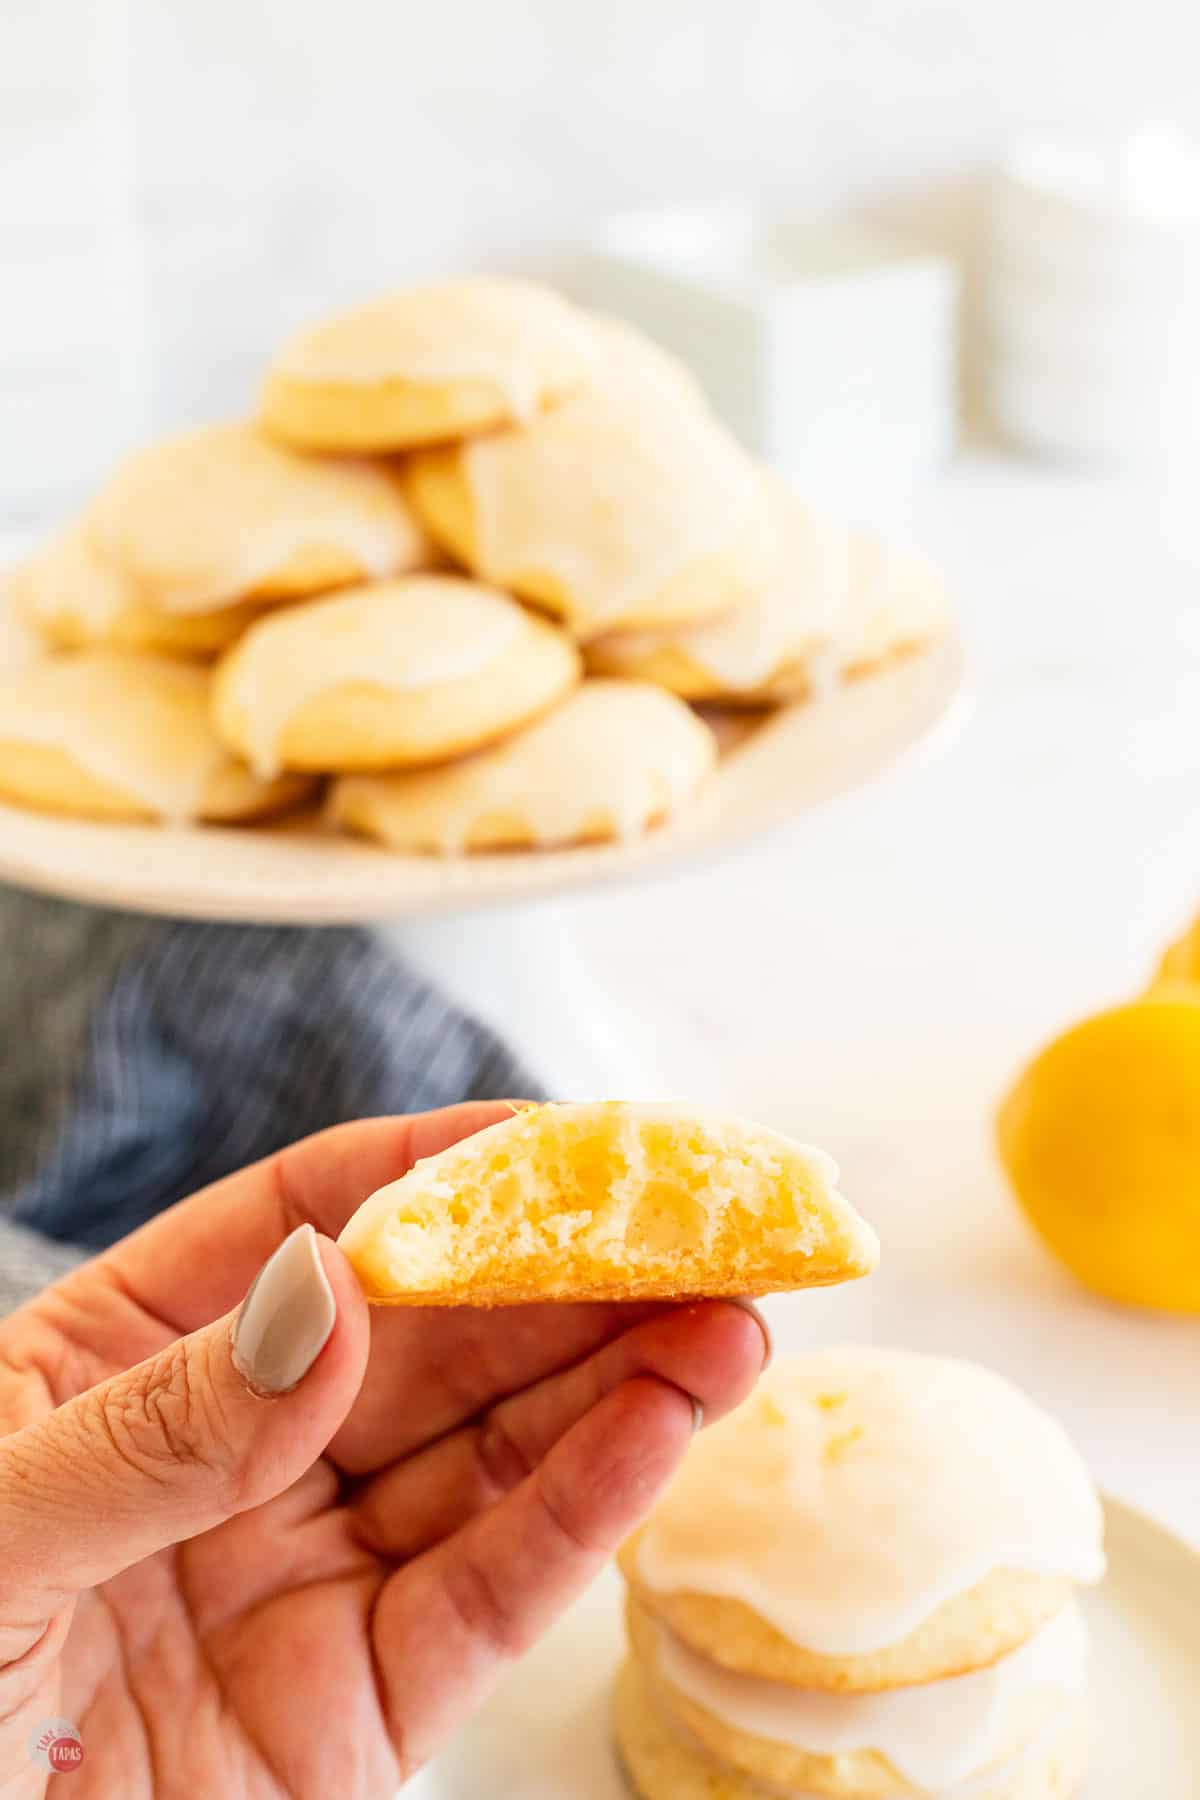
230, 1589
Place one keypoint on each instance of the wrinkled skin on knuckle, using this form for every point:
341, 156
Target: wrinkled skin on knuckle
165, 1416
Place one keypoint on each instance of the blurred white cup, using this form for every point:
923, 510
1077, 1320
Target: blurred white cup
1092, 303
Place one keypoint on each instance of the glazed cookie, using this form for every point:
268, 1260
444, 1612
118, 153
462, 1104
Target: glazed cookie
611, 760
433, 362
907, 1742
965, 1633
767, 1554
775, 646
663, 1764
75, 599
622, 355
897, 603
626, 507
221, 515
108, 734
606, 1202
402, 672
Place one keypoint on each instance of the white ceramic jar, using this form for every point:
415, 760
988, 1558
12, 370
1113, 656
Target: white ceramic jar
827, 346
1092, 298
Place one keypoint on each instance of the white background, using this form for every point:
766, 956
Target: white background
259, 158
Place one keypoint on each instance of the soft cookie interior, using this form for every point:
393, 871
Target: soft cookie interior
608, 1200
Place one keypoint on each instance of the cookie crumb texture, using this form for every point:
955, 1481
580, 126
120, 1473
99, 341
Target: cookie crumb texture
609, 1201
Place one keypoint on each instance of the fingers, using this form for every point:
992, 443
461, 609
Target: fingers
217, 1422
713, 1351
195, 1261
433, 1368
462, 1611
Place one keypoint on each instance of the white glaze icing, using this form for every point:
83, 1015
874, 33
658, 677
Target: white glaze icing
613, 492
622, 749
792, 615
861, 1488
139, 722
1001, 1779
199, 520
400, 635
67, 576
936, 1735
479, 328
622, 355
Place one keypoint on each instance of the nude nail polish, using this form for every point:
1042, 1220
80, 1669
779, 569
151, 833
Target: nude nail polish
286, 1318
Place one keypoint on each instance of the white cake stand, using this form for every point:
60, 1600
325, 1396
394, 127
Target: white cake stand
495, 929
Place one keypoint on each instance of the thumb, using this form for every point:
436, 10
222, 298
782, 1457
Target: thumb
217, 1422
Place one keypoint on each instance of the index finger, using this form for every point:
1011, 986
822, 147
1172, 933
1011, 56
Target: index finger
196, 1260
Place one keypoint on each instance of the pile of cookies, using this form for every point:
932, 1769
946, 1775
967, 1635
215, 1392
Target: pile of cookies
861, 1585
468, 569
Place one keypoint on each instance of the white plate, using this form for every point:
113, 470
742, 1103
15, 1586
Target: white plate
298, 874
545, 1736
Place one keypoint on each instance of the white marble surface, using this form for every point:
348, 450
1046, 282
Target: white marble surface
279, 157
872, 980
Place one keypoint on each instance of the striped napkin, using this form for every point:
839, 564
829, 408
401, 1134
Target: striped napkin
142, 1058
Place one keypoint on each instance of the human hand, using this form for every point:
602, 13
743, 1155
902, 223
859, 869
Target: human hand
231, 1590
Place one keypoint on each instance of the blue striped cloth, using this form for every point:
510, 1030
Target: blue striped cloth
142, 1058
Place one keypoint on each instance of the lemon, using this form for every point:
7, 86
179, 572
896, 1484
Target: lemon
1101, 1140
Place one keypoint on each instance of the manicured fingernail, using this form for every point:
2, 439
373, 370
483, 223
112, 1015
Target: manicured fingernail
749, 1307
286, 1318
697, 1415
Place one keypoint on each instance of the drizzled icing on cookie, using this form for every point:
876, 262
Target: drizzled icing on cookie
610, 758
140, 723
861, 1489
790, 615
199, 521
936, 1734
68, 577
614, 492
503, 332
398, 636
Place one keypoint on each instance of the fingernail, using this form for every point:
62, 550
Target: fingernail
748, 1306
286, 1318
697, 1415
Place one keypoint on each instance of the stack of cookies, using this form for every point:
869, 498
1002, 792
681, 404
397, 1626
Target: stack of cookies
860, 1586
467, 570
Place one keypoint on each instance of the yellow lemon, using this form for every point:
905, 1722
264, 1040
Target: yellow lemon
1181, 960
1101, 1140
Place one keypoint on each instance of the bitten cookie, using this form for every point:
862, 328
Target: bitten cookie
402, 672
611, 1201
432, 362
75, 599
626, 507
609, 761
221, 515
108, 734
